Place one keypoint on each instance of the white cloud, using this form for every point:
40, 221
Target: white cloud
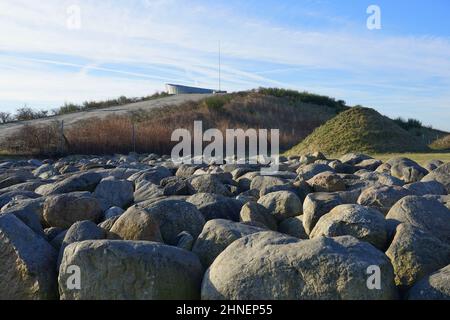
178, 40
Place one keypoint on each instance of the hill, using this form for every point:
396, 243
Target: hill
442, 143
296, 114
360, 130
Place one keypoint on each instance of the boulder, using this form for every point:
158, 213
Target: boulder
61, 211
282, 204
85, 181
415, 253
208, 183
185, 241
293, 227
427, 214
382, 198
441, 174
433, 287
363, 223
81, 231
270, 266
216, 236
406, 170
425, 188
112, 192
258, 215
309, 171
316, 205
327, 182
113, 212
136, 224
28, 263
174, 217
130, 270
214, 206
354, 158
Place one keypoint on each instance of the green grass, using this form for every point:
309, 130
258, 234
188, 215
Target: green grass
420, 158
360, 130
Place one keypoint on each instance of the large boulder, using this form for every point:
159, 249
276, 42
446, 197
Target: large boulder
27, 263
354, 158
415, 253
114, 193
81, 231
327, 182
209, 183
309, 171
282, 204
441, 174
130, 270
428, 214
85, 181
215, 206
263, 182
174, 217
61, 211
136, 224
293, 227
382, 198
316, 205
433, 287
406, 170
363, 223
426, 188
216, 236
256, 214
270, 266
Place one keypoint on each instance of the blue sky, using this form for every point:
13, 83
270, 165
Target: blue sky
133, 47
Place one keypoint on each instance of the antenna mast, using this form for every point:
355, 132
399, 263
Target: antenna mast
220, 68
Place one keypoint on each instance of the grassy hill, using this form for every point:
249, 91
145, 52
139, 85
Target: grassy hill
296, 114
441, 144
360, 130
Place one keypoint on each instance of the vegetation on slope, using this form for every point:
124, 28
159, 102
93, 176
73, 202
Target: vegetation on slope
360, 130
153, 129
441, 144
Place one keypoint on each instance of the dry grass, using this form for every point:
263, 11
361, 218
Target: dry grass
153, 129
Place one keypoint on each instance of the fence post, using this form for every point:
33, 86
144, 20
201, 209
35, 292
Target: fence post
134, 135
62, 137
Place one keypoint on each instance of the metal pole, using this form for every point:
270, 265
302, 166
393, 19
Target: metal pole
220, 68
134, 136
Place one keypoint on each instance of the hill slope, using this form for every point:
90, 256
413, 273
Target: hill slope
441, 144
360, 130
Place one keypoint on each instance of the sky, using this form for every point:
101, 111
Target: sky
57, 51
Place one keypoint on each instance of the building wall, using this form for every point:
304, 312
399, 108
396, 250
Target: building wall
179, 89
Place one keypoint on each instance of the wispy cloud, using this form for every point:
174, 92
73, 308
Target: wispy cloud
133, 47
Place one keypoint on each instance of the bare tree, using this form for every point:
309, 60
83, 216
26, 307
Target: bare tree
5, 117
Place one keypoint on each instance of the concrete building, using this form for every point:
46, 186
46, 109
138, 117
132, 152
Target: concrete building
179, 89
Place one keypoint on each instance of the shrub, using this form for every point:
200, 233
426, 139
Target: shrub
408, 124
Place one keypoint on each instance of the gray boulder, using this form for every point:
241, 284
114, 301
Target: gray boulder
216, 236
415, 253
136, 224
61, 211
130, 270
433, 287
215, 206
425, 188
293, 227
111, 192
270, 266
309, 171
363, 223
282, 204
406, 170
327, 182
27, 268
209, 183
316, 205
85, 181
441, 174
382, 198
428, 214
256, 214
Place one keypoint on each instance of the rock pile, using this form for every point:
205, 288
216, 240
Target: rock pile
141, 227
